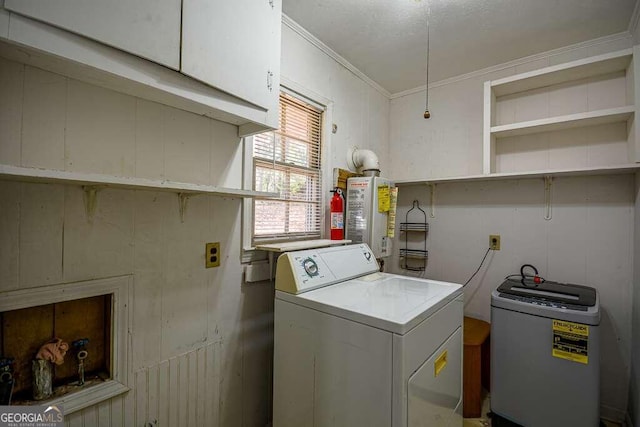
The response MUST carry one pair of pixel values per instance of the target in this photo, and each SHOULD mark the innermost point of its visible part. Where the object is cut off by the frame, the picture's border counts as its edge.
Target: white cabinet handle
(269, 80)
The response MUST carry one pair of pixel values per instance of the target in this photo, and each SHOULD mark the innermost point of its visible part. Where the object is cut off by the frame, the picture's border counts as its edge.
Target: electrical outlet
(212, 255)
(494, 242)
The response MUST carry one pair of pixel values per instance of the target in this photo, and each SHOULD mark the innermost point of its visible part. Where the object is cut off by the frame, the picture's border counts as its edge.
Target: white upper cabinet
(217, 58)
(234, 46)
(147, 28)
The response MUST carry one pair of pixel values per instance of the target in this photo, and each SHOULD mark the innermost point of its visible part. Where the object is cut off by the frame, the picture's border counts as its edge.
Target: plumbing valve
(81, 353)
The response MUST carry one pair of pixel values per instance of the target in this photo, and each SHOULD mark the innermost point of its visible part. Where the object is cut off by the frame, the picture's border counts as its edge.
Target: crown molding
(332, 54)
(633, 22)
(517, 62)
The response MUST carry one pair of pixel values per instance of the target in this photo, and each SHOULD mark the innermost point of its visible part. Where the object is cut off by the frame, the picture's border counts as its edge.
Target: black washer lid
(550, 291)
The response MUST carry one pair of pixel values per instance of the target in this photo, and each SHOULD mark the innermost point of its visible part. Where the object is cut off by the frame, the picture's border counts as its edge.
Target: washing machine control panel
(302, 271)
(310, 269)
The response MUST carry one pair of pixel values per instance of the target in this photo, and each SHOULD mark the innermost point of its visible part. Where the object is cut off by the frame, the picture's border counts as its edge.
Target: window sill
(90, 396)
(259, 252)
(300, 245)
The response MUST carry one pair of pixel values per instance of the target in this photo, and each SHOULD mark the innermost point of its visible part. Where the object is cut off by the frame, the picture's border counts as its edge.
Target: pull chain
(427, 114)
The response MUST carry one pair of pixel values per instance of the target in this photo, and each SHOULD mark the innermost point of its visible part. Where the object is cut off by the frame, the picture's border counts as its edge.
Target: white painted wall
(181, 311)
(178, 306)
(360, 111)
(634, 384)
(588, 241)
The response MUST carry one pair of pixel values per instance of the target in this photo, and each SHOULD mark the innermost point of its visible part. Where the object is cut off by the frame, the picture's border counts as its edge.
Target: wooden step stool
(476, 365)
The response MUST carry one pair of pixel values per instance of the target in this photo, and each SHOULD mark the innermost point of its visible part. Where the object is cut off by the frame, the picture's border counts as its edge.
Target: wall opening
(97, 310)
(85, 322)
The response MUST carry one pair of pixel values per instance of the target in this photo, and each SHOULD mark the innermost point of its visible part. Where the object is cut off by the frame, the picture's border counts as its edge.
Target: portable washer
(545, 354)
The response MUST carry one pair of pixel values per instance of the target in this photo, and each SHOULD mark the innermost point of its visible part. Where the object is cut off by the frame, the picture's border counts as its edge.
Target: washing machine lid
(573, 303)
(570, 295)
(387, 301)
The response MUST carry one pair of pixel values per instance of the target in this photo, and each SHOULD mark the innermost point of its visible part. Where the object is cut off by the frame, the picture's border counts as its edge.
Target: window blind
(287, 162)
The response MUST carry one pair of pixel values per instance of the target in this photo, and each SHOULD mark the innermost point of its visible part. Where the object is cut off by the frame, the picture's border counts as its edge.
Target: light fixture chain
(427, 114)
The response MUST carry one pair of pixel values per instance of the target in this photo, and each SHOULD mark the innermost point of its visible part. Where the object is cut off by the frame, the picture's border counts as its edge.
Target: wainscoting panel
(181, 391)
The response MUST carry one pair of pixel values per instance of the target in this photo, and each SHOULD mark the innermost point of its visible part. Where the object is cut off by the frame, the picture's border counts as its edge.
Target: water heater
(367, 214)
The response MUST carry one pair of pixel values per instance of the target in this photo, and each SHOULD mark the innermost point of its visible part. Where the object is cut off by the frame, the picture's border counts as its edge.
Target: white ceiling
(386, 39)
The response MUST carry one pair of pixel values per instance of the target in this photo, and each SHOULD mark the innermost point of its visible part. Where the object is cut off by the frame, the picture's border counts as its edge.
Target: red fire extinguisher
(337, 216)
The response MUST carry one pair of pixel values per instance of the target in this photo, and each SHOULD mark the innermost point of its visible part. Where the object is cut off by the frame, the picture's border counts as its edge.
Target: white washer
(355, 347)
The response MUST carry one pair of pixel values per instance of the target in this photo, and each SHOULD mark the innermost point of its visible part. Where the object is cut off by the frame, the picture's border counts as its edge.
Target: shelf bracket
(548, 182)
(432, 200)
(90, 201)
(183, 198)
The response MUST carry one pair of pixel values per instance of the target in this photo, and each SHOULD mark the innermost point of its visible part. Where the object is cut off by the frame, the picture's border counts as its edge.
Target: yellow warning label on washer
(571, 341)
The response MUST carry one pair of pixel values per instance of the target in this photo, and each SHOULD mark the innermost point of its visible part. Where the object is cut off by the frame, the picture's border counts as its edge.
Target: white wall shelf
(558, 74)
(17, 173)
(597, 91)
(590, 118)
(556, 173)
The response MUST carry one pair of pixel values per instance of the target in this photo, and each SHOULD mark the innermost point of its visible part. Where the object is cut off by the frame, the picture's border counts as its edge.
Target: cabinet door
(147, 28)
(234, 46)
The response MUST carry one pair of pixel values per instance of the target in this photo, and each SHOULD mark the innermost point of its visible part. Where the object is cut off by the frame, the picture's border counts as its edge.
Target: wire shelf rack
(414, 253)
(412, 258)
(414, 226)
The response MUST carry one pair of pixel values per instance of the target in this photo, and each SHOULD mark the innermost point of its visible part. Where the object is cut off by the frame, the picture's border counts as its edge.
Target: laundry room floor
(485, 421)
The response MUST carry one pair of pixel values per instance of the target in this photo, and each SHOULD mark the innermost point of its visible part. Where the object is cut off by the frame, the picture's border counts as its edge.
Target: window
(287, 162)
